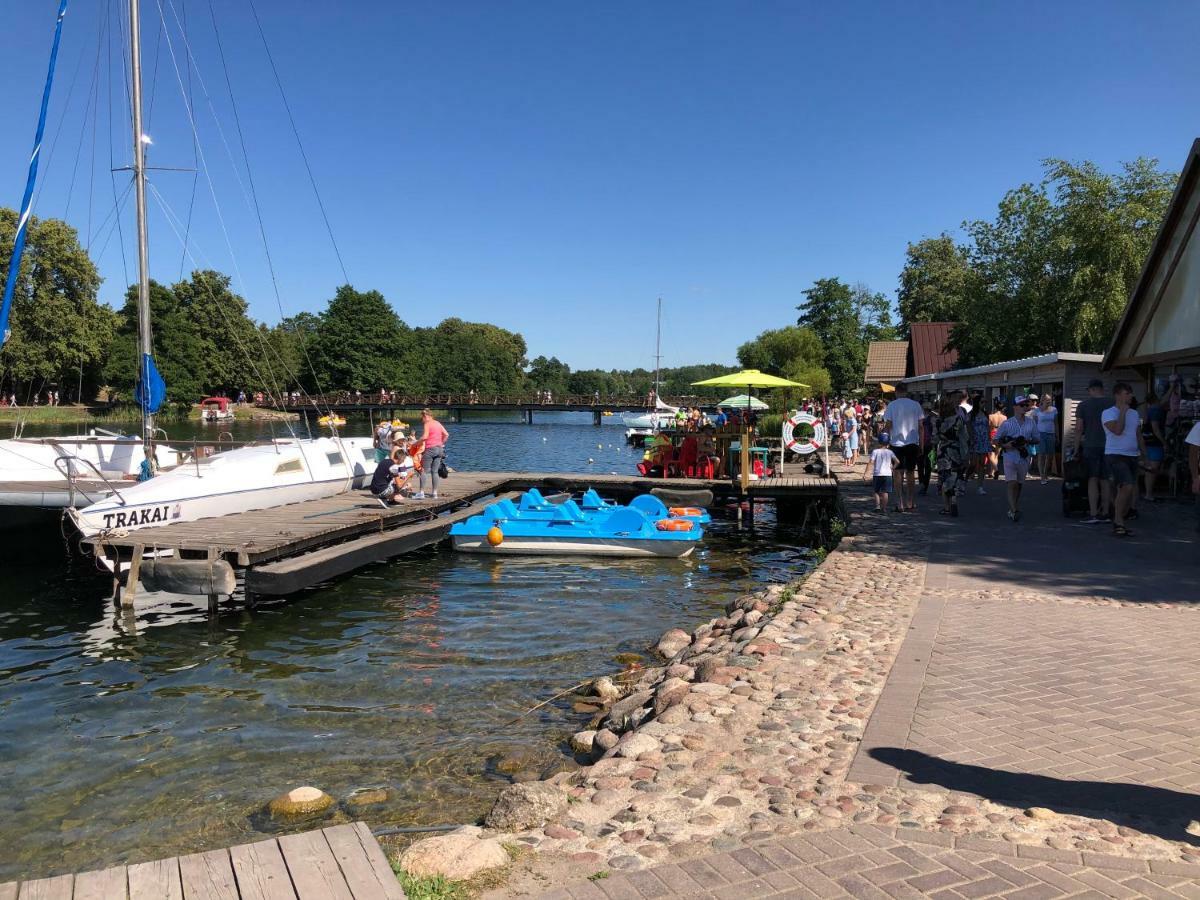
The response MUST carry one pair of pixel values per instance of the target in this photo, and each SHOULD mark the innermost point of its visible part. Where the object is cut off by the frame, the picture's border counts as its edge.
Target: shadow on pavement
(1162, 812)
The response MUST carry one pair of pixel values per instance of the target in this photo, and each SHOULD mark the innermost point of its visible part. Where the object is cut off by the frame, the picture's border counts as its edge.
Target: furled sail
(14, 264)
(151, 390)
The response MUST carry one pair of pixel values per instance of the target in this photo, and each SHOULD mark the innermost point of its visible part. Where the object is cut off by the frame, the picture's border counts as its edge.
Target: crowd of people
(1117, 448)
(407, 466)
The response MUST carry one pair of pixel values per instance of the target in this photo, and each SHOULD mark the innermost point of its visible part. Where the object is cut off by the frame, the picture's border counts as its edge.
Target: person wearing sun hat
(1014, 436)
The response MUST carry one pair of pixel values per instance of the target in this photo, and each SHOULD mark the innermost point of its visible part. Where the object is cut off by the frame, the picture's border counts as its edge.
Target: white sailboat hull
(258, 477)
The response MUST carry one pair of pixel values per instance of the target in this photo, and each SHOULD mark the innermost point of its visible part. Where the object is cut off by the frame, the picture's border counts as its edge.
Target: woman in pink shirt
(434, 438)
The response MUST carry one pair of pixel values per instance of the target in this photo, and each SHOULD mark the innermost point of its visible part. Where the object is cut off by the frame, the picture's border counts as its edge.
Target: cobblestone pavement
(1034, 737)
(868, 862)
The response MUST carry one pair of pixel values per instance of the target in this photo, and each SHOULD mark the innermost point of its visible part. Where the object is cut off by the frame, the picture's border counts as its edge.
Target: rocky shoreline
(746, 732)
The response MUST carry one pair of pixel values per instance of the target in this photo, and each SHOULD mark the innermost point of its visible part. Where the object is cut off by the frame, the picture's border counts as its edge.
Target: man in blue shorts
(1089, 432)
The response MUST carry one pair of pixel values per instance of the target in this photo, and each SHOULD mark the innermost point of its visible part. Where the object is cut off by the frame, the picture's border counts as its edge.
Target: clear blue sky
(553, 167)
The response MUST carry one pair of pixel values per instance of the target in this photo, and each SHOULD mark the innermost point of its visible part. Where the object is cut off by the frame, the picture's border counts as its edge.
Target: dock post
(529, 416)
(596, 418)
(131, 583)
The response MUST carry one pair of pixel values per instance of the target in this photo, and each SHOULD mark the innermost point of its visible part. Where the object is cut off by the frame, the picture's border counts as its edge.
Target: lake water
(129, 737)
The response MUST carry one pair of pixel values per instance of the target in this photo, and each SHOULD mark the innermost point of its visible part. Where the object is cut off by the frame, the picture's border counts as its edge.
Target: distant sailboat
(662, 416)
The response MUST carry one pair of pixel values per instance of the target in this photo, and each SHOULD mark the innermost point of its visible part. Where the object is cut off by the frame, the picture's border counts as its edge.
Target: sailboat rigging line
(62, 118)
(196, 175)
(200, 153)
(154, 77)
(14, 266)
(96, 122)
(88, 108)
(115, 211)
(295, 131)
(193, 66)
(271, 382)
(112, 166)
(262, 228)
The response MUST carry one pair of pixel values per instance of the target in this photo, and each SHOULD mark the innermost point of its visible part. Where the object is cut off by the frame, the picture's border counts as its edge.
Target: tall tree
(874, 313)
(549, 375)
(829, 310)
(178, 348)
(1054, 270)
(234, 358)
(359, 342)
(933, 282)
(790, 352)
(59, 329)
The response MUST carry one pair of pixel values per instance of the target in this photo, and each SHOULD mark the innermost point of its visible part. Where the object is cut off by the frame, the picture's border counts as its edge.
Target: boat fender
(701, 497)
(188, 576)
(495, 536)
(684, 511)
(674, 524)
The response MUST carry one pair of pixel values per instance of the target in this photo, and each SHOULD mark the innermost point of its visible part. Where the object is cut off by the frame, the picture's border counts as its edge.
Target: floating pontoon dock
(288, 548)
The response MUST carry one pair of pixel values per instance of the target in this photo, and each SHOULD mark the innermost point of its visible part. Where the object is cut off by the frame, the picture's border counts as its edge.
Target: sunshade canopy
(748, 378)
(741, 401)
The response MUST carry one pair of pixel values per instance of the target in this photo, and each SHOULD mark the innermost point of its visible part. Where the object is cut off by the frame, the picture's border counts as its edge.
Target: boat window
(369, 454)
(335, 459)
(291, 465)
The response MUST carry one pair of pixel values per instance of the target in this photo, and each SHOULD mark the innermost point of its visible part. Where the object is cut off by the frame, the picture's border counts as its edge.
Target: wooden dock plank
(102, 884)
(208, 876)
(367, 874)
(261, 872)
(157, 880)
(9, 890)
(314, 870)
(57, 888)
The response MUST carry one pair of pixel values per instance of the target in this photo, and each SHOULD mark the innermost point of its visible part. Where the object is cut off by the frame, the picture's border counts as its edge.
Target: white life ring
(802, 446)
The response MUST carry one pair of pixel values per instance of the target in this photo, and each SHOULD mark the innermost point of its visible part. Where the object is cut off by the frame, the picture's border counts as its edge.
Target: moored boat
(537, 526)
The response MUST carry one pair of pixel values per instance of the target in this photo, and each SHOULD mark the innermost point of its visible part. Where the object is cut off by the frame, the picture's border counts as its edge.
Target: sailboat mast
(145, 343)
(658, 354)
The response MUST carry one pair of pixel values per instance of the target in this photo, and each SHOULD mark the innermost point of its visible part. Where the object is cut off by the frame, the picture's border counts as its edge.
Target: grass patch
(598, 876)
(436, 887)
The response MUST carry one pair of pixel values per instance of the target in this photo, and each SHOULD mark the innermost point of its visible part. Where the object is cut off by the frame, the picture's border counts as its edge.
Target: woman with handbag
(434, 438)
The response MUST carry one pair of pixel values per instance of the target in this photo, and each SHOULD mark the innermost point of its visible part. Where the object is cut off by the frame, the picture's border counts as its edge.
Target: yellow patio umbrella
(749, 379)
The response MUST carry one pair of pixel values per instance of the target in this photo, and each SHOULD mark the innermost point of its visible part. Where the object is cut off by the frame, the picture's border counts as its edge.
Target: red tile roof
(927, 345)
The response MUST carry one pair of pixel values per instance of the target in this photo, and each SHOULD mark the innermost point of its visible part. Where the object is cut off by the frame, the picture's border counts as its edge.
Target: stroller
(1074, 488)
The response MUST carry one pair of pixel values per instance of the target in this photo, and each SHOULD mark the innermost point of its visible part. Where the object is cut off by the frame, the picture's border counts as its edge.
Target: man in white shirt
(1122, 447)
(1015, 436)
(1193, 442)
(902, 421)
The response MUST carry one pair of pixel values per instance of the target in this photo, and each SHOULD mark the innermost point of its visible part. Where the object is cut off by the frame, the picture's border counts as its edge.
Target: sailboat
(643, 425)
(254, 477)
(43, 473)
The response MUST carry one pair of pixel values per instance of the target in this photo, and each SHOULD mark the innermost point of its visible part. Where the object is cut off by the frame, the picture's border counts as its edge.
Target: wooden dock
(287, 548)
(343, 862)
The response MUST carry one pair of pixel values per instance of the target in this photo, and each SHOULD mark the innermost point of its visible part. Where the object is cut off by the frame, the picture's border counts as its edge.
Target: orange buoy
(686, 511)
(674, 524)
(495, 536)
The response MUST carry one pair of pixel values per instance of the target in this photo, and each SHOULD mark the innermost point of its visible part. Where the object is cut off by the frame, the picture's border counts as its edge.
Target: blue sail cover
(14, 264)
(151, 390)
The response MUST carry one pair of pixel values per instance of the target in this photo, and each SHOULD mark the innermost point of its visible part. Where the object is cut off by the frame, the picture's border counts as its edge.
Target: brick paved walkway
(868, 862)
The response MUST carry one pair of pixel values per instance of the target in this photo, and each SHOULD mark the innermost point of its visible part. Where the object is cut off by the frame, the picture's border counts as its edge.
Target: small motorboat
(538, 526)
(215, 409)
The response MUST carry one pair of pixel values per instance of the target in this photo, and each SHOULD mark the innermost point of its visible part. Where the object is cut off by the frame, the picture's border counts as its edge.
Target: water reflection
(134, 736)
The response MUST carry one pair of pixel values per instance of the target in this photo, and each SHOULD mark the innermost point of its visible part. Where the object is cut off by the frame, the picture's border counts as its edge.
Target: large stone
(634, 745)
(583, 741)
(672, 641)
(624, 713)
(299, 803)
(605, 739)
(456, 856)
(522, 806)
(709, 667)
(670, 692)
(606, 689)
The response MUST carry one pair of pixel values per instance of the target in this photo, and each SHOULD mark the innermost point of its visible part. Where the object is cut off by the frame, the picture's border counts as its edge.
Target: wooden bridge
(391, 406)
(287, 548)
(344, 862)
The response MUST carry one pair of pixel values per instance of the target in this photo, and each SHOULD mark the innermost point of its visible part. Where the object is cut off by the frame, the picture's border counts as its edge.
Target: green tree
(1054, 270)
(178, 348)
(359, 342)
(549, 375)
(234, 358)
(830, 311)
(933, 282)
(874, 312)
(58, 327)
(790, 352)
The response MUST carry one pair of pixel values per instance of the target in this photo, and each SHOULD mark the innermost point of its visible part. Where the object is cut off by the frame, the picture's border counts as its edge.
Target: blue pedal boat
(537, 527)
